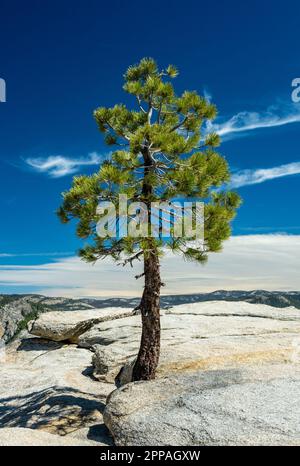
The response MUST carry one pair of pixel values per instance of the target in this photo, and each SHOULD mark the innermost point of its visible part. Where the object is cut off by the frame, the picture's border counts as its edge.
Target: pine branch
(140, 104)
(130, 260)
(180, 124)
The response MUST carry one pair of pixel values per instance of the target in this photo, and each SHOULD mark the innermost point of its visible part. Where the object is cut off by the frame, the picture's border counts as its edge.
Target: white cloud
(57, 166)
(247, 262)
(244, 122)
(249, 177)
(34, 254)
(273, 229)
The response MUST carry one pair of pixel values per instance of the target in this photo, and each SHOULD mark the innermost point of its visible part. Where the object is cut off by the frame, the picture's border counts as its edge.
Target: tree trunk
(148, 357)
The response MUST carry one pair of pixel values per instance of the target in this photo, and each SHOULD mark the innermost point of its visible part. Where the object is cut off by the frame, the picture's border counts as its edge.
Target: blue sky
(62, 59)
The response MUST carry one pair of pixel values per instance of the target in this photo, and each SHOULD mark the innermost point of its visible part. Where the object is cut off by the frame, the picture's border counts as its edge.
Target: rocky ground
(229, 374)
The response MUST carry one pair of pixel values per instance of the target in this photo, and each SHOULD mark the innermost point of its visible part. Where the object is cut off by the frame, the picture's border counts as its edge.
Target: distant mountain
(270, 298)
(17, 310)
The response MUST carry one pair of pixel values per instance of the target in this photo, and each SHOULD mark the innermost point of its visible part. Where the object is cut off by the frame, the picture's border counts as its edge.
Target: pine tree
(162, 151)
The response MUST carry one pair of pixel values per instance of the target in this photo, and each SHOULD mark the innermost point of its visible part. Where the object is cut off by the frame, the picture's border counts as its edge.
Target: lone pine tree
(162, 151)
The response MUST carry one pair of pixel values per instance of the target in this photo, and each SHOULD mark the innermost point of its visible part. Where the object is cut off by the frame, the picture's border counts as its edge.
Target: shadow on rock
(56, 410)
(98, 432)
(38, 344)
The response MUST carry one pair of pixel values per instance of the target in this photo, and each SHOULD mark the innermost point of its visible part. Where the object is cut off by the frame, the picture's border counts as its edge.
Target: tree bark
(148, 357)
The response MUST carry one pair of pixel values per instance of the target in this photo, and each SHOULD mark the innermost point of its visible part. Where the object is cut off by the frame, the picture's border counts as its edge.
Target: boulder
(107, 362)
(69, 325)
(257, 405)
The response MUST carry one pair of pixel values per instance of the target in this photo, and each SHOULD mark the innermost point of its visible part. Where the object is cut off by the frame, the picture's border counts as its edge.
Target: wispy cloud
(57, 166)
(256, 176)
(268, 229)
(35, 254)
(243, 122)
(247, 262)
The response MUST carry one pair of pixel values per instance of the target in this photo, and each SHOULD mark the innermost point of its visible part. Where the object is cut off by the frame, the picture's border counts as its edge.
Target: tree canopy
(161, 150)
